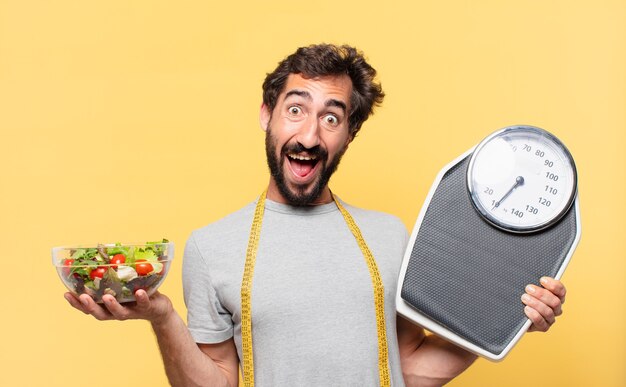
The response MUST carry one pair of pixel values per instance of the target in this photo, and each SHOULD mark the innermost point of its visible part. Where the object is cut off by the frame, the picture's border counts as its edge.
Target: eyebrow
(337, 103)
(306, 95)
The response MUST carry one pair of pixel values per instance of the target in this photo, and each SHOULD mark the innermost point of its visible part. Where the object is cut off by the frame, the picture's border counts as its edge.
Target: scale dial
(522, 179)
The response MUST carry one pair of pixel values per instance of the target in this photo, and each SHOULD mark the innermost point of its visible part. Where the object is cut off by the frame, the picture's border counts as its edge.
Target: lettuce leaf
(142, 282)
(109, 284)
(119, 249)
(158, 247)
(84, 254)
(148, 254)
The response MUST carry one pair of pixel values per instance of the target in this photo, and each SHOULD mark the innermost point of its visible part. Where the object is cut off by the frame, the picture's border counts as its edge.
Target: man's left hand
(544, 303)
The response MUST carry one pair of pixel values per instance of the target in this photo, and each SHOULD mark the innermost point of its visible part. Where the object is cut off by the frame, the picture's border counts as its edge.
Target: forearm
(428, 360)
(435, 362)
(185, 364)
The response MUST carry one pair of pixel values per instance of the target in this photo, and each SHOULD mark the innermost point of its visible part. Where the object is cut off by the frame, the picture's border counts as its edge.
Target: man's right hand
(154, 309)
(185, 362)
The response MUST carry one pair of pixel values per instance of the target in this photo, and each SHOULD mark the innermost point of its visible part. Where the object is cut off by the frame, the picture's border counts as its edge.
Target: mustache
(317, 150)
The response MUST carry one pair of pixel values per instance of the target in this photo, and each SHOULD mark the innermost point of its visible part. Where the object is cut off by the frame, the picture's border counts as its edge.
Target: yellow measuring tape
(246, 290)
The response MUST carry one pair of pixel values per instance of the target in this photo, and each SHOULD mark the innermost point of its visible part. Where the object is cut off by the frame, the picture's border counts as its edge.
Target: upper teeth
(301, 157)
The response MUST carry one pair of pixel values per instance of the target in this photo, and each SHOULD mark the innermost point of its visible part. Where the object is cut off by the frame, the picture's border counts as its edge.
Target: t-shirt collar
(300, 210)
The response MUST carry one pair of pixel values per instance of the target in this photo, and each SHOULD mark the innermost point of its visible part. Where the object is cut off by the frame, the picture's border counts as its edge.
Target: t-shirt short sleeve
(208, 321)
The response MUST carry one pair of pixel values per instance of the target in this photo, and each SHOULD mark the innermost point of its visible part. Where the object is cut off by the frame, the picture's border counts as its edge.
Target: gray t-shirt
(313, 318)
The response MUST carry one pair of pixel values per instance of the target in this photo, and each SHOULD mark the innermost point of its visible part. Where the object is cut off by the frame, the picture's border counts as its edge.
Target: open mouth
(302, 165)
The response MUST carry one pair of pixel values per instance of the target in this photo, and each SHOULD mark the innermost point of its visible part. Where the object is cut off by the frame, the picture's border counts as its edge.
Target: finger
(143, 301)
(546, 297)
(538, 322)
(131, 310)
(116, 309)
(89, 306)
(75, 302)
(544, 310)
(555, 286)
(155, 307)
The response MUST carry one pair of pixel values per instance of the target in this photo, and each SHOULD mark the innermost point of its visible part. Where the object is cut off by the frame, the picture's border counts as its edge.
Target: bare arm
(428, 360)
(190, 364)
(186, 363)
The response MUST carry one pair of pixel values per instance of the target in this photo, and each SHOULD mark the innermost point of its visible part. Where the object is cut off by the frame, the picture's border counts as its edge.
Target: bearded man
(298, 287)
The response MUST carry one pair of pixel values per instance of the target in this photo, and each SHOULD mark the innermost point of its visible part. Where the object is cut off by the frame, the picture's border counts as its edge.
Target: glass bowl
(116, 269)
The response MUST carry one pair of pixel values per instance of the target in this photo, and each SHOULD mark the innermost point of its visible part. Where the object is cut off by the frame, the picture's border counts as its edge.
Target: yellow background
(135, 120)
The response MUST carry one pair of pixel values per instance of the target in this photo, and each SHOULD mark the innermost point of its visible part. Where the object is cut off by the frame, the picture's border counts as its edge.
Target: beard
(304, 194)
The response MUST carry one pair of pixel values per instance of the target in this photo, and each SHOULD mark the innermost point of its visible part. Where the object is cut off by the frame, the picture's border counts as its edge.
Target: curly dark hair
(328, 59)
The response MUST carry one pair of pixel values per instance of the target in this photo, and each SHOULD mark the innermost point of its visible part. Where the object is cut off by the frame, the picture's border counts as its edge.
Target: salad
(118, 270)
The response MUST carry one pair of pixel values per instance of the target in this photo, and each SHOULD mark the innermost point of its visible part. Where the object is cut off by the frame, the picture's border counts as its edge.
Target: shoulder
(375, 218)
(386, 236)
(226, 230)
(379, 223)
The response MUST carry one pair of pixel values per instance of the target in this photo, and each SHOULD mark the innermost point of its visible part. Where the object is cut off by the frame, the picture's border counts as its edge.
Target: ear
(264, 117)
(349, 140)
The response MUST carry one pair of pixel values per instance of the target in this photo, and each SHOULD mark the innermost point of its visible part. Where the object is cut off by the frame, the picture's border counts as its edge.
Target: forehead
(338, 87)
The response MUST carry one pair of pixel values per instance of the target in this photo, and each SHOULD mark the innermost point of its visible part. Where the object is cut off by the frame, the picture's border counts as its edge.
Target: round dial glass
(522, 179)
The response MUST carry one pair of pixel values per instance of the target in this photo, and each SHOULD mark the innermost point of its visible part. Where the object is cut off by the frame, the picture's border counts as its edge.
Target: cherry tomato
(98, 272)
(117, 259)
(67, 269)
(143, 267)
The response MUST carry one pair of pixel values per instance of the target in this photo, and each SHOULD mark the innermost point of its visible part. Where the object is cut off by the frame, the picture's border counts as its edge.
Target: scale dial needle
(518, 181)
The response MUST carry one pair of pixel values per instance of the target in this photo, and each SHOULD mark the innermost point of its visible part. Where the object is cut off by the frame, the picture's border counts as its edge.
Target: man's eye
(330, 119)
(295, 110)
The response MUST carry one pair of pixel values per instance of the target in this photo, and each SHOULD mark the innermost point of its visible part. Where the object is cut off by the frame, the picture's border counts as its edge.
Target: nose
(309, 133)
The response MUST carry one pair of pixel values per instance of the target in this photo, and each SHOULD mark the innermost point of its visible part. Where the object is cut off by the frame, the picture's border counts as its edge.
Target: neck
(273, 193)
